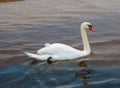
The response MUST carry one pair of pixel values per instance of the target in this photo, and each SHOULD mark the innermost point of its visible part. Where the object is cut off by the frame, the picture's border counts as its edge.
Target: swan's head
(87, 25)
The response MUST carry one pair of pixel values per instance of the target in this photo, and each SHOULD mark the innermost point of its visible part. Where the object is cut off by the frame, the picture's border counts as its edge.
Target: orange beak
(91, 28)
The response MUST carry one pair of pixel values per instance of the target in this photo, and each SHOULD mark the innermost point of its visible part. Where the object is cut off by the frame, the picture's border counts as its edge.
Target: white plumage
(58, 51)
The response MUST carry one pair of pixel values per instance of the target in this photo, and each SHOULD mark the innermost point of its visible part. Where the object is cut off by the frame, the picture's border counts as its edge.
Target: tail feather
(36, 56)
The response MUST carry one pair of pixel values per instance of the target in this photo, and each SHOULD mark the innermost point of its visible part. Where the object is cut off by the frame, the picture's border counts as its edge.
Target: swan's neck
(85, 41)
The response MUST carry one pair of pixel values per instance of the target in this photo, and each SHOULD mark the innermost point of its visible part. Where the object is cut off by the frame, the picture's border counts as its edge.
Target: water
(27, 25)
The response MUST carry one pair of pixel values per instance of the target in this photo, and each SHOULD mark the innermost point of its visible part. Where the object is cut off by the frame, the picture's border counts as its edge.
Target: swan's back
(56, 48)
(60, 50)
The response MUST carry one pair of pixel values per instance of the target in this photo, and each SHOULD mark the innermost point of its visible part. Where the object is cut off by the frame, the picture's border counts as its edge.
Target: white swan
(58, 51)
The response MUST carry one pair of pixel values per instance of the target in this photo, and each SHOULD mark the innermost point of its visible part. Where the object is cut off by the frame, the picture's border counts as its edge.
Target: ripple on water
(50, 75)
(27, 25)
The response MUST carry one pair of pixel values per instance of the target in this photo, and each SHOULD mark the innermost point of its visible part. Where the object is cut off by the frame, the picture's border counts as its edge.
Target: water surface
(27, 25)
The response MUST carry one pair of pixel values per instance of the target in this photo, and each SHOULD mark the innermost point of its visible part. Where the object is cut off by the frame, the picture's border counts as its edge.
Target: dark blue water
(67, 75)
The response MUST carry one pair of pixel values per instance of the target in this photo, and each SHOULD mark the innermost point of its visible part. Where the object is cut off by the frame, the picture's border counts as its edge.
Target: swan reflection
(85, 73)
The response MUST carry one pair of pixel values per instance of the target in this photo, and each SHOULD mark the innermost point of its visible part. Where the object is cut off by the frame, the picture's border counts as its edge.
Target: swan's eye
(91, 28)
